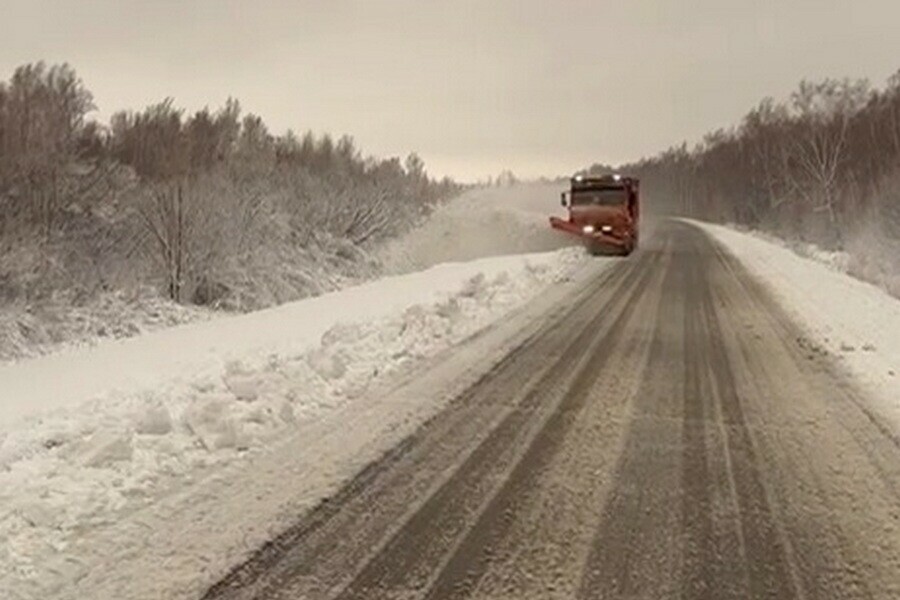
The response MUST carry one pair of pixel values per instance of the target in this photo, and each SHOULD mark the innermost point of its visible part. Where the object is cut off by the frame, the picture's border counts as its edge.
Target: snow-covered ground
(833, 259)
(112, 456)
(54, 324)
(855, 321)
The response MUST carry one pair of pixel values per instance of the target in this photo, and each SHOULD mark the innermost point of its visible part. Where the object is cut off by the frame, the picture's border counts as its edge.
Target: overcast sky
(537, 86)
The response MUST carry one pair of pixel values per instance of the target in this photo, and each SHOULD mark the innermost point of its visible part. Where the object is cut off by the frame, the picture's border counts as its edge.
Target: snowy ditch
(89, 436)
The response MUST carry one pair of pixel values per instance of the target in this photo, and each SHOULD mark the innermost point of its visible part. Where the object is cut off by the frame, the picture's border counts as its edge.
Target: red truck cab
(603, 212)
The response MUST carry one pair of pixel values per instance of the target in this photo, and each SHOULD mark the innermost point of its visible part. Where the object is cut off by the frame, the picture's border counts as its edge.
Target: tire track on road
(407, 562)
(633, 554)
(708, 532)
(696, 507)
(472, 558)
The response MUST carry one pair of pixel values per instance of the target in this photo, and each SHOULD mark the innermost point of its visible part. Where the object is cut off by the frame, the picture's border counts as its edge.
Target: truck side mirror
(562, 199)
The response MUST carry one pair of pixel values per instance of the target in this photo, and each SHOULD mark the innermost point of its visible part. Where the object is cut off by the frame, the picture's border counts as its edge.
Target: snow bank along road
(145, 468)
(664, 433)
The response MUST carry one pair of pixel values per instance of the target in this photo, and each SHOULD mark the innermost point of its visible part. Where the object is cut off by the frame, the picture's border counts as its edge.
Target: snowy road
(669, 431)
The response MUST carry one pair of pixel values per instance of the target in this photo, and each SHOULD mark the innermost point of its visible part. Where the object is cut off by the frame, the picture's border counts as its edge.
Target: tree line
(816, 167)
(200, 204)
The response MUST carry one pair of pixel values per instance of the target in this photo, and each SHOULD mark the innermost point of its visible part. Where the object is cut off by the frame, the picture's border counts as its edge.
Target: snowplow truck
(603, 213)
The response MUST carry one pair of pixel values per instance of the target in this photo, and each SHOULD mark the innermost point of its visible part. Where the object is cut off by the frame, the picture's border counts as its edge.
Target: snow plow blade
(596, 236)
(595, 241)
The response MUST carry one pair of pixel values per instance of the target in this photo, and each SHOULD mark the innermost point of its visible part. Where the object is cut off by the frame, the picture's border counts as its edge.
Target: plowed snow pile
(92, 437)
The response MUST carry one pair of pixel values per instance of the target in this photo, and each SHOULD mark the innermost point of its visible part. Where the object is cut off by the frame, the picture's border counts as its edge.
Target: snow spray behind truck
(603, 212)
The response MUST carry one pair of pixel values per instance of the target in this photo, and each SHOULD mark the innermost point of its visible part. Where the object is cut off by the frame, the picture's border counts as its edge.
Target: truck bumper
(593, 239)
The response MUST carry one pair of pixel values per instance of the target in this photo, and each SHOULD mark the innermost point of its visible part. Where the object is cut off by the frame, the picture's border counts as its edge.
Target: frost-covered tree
(46, 144)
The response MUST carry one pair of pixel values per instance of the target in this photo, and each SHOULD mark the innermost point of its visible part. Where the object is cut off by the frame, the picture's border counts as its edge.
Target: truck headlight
(606, 229)
(588, 229)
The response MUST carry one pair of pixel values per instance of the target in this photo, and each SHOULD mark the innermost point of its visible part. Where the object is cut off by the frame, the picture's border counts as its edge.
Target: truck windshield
(601, 197)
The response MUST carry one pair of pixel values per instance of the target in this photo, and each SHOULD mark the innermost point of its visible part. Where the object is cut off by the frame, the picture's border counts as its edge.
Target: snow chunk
(106, 447)
(155, 420)
(211, 422)
(327, 364)
(286, 413)
(244, 387)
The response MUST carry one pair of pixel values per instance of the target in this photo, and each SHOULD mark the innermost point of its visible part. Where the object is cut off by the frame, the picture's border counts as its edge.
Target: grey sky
(540, 87)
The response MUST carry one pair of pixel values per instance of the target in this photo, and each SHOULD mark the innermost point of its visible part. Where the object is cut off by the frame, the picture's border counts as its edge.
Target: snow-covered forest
(110, 228)
(821, 167)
